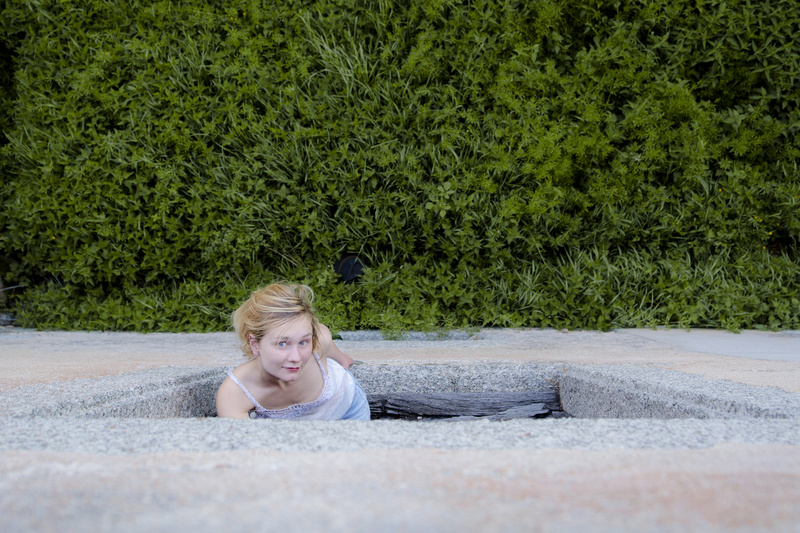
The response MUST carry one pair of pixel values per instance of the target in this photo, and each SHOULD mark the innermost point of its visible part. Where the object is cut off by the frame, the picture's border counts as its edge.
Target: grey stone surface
(134, 448)
(154, 393)
(190, 391)
(628, 391)
(148, 436)
(374, 335)
(456, 377)
(616, 391)
(767, 345)
(732, 488)
(147, 412)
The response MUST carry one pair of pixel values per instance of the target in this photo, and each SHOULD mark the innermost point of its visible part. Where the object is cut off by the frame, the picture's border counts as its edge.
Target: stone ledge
(628, 391)
(607, 391)
(151, 436)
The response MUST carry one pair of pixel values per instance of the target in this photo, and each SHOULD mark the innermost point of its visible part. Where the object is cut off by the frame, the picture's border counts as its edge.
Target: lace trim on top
(293, 410)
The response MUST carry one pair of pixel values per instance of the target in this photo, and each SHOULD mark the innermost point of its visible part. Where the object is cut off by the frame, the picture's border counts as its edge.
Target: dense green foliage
(568, 163)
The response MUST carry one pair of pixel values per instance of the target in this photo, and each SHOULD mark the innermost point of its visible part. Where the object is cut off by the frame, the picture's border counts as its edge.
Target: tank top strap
(319, 362)
(244, 389)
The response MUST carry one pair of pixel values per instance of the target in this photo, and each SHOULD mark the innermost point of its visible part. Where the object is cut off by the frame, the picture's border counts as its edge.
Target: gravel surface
(68, 463)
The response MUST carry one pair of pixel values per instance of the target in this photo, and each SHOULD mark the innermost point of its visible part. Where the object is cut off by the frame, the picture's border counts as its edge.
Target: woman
(295, 371)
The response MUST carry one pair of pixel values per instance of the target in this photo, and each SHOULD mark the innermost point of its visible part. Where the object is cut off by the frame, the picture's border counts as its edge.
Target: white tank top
(332, 403)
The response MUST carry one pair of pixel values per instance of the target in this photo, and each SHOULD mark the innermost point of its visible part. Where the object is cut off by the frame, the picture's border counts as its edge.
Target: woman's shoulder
(231, 400)
(324, 338)
(324, 331)
(243, 370)
(245, 375)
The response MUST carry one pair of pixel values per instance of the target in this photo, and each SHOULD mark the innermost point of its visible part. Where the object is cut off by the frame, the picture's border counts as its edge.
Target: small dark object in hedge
(349, 267)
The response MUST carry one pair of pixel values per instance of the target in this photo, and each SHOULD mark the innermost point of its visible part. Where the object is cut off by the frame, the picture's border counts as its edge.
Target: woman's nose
(294, 354)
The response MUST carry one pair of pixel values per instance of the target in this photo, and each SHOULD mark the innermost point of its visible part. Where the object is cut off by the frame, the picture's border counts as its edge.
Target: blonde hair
(273, 306)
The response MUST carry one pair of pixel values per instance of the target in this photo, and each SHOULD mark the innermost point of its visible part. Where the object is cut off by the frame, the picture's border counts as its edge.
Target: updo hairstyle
(272, 307)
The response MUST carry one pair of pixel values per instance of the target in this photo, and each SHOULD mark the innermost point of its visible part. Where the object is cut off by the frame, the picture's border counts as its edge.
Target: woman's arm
(231, 401)
(329, 348)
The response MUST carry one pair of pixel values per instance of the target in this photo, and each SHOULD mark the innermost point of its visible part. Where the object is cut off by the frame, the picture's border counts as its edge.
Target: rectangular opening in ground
(438, 391)
(422, 391)
(465, 405)
(397, 390)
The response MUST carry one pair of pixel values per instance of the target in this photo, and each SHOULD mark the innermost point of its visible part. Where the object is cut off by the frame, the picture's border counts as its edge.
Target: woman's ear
(253, 344)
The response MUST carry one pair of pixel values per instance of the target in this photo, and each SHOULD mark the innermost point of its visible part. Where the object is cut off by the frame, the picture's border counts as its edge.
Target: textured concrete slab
(150, 436)
(768, 345)
(29, 357)
(741, 488)
(69, 461)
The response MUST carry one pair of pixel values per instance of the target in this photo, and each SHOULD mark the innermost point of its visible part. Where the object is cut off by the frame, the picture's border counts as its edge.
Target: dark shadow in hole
(465, 405)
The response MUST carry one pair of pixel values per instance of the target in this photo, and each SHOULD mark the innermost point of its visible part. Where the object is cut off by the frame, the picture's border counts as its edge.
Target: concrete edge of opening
(154, 436)
(146, 412)
(170, 392)
(185, 392)
(628, 391)
(606, 391)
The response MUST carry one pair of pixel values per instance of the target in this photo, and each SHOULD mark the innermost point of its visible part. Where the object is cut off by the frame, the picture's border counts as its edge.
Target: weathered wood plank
(525, 411)
(413, 405)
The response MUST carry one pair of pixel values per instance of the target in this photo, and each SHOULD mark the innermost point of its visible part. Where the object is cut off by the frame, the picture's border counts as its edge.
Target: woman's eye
(303, 343)
(282, 344)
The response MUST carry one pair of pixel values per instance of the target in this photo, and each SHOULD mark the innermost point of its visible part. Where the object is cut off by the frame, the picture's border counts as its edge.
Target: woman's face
(284, 351)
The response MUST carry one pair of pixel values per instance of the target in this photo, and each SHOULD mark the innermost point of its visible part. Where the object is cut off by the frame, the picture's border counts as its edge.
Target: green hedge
(567, 163)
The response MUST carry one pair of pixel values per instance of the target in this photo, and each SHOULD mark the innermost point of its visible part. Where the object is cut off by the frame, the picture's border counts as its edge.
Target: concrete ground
(549, 475)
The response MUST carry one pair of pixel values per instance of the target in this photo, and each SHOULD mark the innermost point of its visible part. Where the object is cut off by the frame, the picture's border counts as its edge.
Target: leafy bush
(552, 163)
